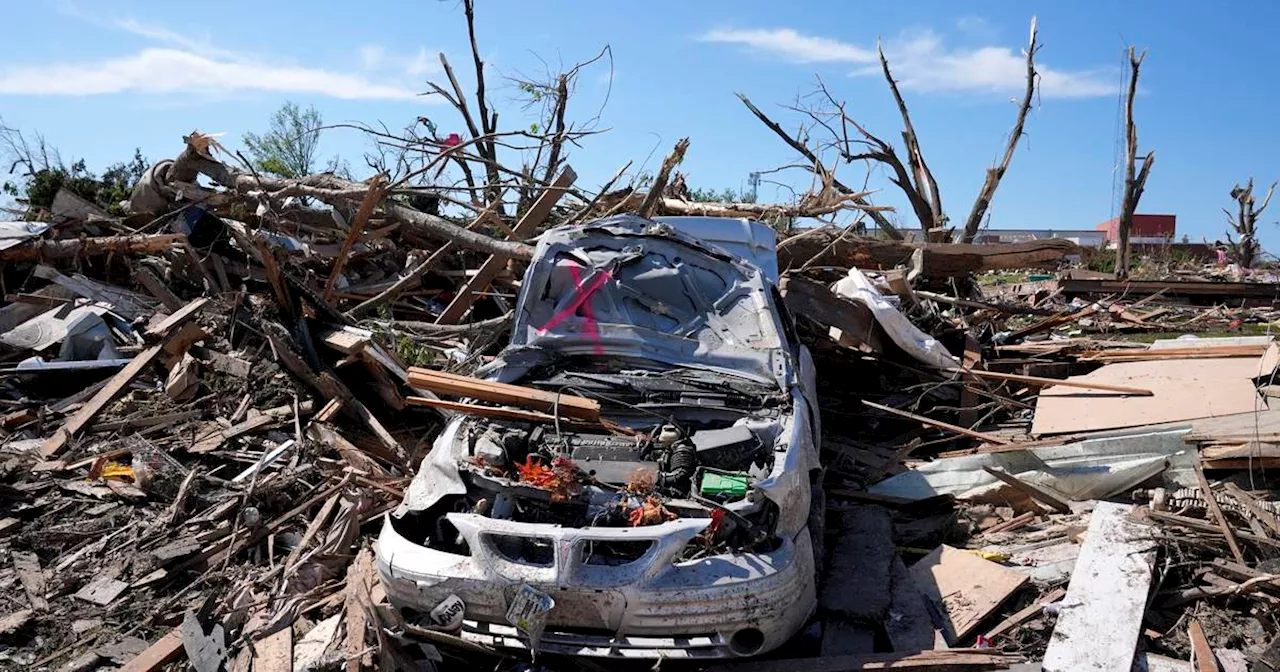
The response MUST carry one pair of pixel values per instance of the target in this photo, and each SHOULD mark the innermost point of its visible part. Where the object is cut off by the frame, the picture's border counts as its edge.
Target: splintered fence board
(964, 588)
(1101, 615)
(449, 384)
(1185, 389)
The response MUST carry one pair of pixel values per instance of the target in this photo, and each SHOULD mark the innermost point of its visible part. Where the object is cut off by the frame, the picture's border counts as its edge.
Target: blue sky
(100, 78)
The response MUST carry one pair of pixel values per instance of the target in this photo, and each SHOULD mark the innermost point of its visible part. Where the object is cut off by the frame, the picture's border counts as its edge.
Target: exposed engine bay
(685, 444)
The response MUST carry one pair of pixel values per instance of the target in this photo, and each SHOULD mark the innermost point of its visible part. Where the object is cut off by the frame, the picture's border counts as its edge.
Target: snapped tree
(850, 142)
(1244, 246)
(1134, 183)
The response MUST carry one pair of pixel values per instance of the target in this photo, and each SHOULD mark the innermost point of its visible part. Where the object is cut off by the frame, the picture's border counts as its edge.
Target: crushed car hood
(627, 286)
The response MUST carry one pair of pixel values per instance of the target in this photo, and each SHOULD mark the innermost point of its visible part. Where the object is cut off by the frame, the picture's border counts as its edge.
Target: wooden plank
(120, 381)
(1225, 290)
(27, 566)
(964, 588)
(989, 438)
(1211, 503)
(275, 652)
(525, 228)
(1101, 615)
(157, 288)
(1185, 389)
(1030, 490)
(489, 411)
(372, 197)
(1201, 652)
(568, 405)
(166, 650)
(1030, 610)
(1046, 382)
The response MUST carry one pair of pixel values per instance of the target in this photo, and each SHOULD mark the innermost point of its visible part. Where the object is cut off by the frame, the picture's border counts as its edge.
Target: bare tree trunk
(881, 221)
(1245, 250)
(994, 174)
(923, 193)
(1133, 184)
(664, 174)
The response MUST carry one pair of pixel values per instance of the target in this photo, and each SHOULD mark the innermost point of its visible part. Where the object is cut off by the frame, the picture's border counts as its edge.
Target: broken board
(1185, 389)
(1101, 615)
(964, 588)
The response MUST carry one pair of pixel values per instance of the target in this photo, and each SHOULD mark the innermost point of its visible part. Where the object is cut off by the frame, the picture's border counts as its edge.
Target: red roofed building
(1146, 228)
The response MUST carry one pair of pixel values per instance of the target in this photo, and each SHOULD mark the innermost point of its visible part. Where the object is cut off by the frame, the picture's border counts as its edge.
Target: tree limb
(994, 174)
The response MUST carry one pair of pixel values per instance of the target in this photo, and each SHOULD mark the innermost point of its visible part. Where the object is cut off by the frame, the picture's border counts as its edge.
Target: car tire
(818, 529)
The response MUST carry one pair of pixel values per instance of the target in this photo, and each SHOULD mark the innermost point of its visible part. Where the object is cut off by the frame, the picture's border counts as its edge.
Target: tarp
(922, 346)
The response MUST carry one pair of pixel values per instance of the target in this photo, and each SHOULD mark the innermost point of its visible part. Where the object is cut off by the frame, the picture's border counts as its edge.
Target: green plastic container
(733, 485)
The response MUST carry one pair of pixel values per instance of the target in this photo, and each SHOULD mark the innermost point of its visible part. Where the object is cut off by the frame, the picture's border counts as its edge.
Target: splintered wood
(567, 405)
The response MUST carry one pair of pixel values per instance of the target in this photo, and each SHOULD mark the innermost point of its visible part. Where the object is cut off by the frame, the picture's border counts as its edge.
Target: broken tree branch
(974, 221)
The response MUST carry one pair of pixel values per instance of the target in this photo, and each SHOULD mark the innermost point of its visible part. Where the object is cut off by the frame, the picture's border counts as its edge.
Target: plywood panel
(1185, 389)
(964, 587)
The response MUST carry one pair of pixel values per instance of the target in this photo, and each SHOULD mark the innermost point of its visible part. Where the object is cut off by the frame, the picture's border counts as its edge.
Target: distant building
(1147, 229)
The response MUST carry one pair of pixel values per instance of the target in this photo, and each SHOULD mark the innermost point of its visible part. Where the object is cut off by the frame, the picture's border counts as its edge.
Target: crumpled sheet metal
(1092, 469)
(858, 287)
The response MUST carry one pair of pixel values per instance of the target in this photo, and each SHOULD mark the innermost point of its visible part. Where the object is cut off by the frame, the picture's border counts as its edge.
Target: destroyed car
(685, 520)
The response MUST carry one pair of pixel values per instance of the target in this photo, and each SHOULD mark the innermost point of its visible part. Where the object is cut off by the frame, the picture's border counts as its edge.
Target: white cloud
(922, 62)
(375, 57)
(793, 46)
(176, 71)
(425, 63)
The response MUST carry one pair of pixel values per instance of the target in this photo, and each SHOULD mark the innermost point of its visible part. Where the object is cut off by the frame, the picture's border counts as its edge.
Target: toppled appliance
(679, 520)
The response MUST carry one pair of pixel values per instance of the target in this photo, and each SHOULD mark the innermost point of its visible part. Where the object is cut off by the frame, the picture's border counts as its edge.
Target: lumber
(1201, 652)
(165, 650)
(1211, 503)
(835, 248)
(525, 228)
(77, 422)
(1101, 614)
(1023, 614)
(1046, 382)
(1031, 490)
(989, 438)
(450, 384)
(372, 197)
(489, 411)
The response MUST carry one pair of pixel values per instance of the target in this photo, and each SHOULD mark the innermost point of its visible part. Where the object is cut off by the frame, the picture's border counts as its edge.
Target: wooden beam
(567, 405)
(491, 411)
(989, 438)
(1251, 503)
(1201, 652)
(525, 228)
(1216, 511)
(77, 422)
(165, 650)
(371, 199)
(1022, 615)
(1030, 490)
(1046, 382)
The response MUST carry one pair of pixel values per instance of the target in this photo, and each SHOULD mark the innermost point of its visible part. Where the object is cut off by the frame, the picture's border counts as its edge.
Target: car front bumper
(715, 607)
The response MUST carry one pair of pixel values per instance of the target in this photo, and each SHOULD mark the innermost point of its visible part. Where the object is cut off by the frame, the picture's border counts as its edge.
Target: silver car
(684, 523)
